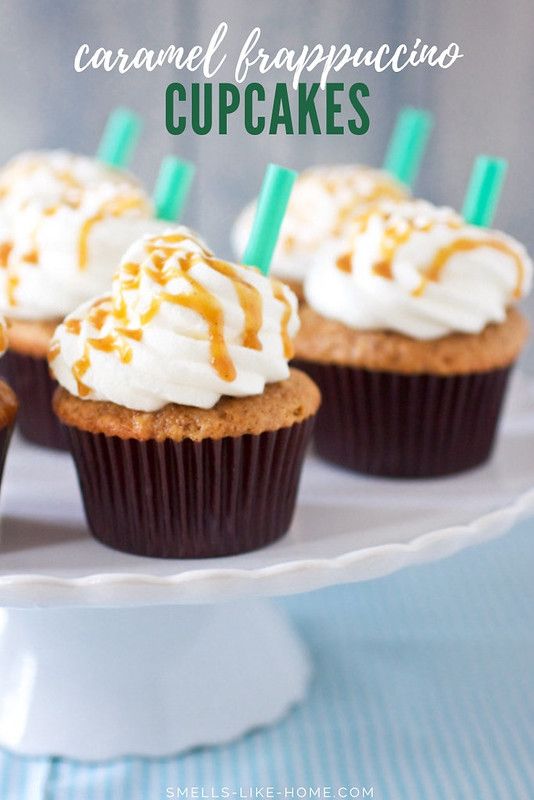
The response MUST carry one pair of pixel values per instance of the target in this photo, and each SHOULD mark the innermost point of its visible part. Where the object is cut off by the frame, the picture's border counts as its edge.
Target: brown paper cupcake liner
(31, 381)
(406, 426)
(190, 499)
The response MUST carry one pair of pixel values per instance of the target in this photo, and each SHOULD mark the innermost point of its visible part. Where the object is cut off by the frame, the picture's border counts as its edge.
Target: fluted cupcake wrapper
(31, 380)
(406, 426)
(190, 499)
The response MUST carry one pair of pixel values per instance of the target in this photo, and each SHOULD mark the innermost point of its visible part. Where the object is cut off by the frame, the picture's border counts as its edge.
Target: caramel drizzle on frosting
(112, 208)
(73, 326)
(166, 263)
(344, 262)
(5, 250)
(395, 237)
(381, 192)
(97, 316)
(74, 190)
(279, 294)
(249, 300)
(12, 283)
(31, 257)
(435, 269)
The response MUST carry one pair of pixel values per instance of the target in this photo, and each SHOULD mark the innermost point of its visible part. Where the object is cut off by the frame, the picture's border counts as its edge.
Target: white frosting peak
(180, 326)
(65, 220)
(323, 202)
(418, 270)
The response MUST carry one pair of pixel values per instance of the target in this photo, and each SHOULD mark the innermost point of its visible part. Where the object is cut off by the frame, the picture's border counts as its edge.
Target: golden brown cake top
(328, 341)
(281, 405)
(30, 337)
(418, 270)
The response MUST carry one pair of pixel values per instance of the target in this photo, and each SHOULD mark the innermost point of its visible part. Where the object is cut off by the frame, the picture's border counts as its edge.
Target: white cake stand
(104, 654)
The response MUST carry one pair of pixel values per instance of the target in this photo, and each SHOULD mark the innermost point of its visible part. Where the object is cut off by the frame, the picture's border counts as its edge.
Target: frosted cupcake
(187, 426)
(65, 220)
(411, 332)
(322, 206)
(8, 405)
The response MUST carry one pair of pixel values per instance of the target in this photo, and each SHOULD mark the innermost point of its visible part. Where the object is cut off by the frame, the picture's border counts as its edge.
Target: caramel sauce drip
(136, 333)
(113, 208)
(435, 269)
(3, 339)
(344, 262)
(66, 177)
(201, 301)
(11, 287)
(79, 368)
(278, 291)
(208, 307)
(151, 312)
(32, 257)
(112, 343)
(120, 309)
(249, 300)
(73, 326)
(5, 251)
(134, 271)
(289, 244)
(381, 192)
(392, 240)
(384, 269)
(98, 315)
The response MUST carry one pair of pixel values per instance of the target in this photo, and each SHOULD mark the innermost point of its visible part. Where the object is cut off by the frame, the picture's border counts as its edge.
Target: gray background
(482, 104)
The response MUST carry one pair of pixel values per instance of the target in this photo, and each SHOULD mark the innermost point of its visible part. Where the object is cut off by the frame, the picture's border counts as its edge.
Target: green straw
(407, 144)
(119, 137)
(483, 190)
(270, 210)
(172, 187)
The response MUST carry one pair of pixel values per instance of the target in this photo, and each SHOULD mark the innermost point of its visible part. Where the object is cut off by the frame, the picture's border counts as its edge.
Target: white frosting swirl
(65, 221)
(420, 271)
(323, 202)
(179, 327)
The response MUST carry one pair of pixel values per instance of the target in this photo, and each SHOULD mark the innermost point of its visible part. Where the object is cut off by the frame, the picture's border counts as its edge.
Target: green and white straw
(483, 190)
(270, 211)
(172, 187)
(119, 138)
(407, 144)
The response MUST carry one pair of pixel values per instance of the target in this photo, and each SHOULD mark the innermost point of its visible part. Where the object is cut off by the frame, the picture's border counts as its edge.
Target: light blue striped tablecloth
(424, 690)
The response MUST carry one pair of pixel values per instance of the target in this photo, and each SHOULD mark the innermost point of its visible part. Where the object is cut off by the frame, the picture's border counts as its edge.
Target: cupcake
(323, 203)
(8, 405)
(64, 222)
(411, 332)
(186, 424)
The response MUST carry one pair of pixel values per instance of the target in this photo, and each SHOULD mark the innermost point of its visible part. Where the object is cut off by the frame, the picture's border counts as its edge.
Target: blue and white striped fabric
(423, 691)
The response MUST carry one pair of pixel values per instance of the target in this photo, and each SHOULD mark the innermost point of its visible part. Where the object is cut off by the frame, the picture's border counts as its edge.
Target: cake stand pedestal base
(102, 683)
